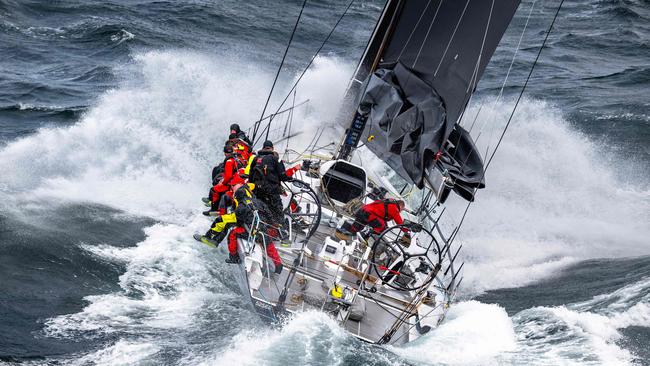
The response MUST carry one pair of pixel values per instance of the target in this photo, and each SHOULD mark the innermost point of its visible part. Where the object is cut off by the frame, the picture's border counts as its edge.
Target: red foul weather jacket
(377, 210)
(231, 174)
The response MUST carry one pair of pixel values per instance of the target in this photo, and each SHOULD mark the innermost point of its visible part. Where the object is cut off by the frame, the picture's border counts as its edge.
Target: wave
(473, 333)
(146, 148)
(43, 108)
(552, 199)
(629, 76)
(585, 333)
(589, 331)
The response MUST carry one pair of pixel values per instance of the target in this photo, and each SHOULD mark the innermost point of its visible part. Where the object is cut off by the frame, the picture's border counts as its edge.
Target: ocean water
(113, 112)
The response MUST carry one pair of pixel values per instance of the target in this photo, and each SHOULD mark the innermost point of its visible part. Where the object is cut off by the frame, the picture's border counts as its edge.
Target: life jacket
(217, 171)
(388, 201)
(247, 169)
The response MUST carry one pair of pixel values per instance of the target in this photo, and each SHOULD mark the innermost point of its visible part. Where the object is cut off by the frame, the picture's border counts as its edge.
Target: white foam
(620, 299)
(122, 36)
(600, 332)
(307, 338)
(324, 86)
(120, 353)
(147, 147)
(552, 198)
(583, 333)
(473, 333)
(168, 278)
(559, 335)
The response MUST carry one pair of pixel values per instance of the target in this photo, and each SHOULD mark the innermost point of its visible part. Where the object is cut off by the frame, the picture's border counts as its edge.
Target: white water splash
(551, 199)
(474, 333)
(147, 147)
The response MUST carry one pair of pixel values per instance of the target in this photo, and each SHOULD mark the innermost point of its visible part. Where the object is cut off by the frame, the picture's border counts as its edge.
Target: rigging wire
(317, 140)
(277, 74)
(530, 73)
(471, 87)
(416, 26)
(514, 109)
(475, 77)
(505, 80)
(450, 39)
(503, 85)
(295, 84)
(499, 96)
(282, 111)
(287, 128)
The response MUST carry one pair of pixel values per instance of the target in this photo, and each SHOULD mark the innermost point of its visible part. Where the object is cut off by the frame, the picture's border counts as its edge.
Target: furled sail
(429, 63)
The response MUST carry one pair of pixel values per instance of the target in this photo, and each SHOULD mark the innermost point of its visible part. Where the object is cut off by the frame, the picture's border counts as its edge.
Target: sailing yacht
(404, 103)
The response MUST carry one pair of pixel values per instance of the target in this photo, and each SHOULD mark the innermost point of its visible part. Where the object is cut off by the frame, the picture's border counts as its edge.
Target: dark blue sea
(112, 114)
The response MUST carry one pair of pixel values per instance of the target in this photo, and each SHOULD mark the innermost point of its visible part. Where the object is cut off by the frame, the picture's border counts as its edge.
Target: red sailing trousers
(270, 247)
(217, 191)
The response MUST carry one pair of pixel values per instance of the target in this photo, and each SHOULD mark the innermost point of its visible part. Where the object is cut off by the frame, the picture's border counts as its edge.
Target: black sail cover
(427, 71)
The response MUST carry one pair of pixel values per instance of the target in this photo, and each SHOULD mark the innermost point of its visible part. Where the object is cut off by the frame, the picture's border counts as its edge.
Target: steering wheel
(397, 263)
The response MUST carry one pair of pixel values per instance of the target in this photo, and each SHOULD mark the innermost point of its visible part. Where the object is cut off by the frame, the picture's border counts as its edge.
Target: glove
(415, 227)
(405, 240)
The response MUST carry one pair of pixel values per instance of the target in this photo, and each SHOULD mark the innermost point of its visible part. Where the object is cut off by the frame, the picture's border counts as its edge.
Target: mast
(367, 64)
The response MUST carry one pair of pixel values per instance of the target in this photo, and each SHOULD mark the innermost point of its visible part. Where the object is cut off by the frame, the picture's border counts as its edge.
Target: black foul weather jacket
(267, 171)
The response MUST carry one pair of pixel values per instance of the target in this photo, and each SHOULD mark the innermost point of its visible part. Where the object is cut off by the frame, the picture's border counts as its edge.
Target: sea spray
(143, 149)
(550, 200)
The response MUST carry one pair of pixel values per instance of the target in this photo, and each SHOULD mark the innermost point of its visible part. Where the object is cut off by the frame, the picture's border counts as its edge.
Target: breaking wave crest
(553, 198)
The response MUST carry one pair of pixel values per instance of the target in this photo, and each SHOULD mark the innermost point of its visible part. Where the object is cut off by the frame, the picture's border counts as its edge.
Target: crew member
(267, 172)
(234, 129)
(376, 214)
(241, 148)
(229, 178)
(245, 205)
